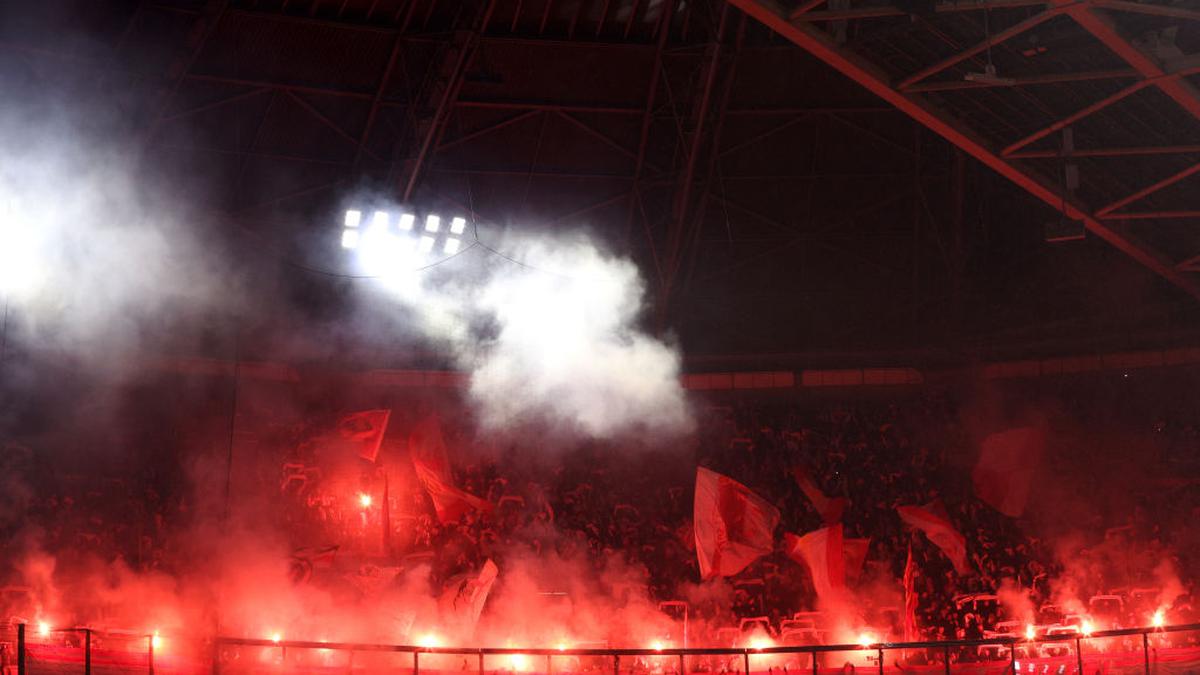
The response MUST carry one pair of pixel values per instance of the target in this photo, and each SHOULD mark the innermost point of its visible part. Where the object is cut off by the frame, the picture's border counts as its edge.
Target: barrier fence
(1168, 650)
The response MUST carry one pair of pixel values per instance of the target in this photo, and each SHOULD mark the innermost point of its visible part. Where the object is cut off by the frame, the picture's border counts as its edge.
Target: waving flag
(910, 597)
(733, 526)
(364, 431)
(931, 519)
(854, 551)
(427, 448)
(830, 508)
(463, 596)
(822, 551)
(1004, 474)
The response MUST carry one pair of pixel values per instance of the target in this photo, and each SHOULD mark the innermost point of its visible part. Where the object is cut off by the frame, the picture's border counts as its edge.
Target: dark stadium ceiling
(780, 170)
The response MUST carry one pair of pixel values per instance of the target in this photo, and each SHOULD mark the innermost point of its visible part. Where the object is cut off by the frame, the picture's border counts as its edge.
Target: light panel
(350, 239)
(406, 221)
(451, 246)
(458, 225)
(426, 244)
(353, 218)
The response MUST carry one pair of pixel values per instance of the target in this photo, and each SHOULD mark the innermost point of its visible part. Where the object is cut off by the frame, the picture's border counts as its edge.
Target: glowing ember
(43, 628)
(1086, 627)
(156, 641)
(866, 639)
(276, 637)
(364, 500)
(1030, 633)
(761, 642)
(429, 640)
(1159, 619)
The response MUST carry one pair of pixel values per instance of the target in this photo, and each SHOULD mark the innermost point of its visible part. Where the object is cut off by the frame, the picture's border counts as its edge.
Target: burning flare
(43, 628)
(760, 642)
(866, 639)
(156, 641)
(1030, 632)
(276, 637)
(1159, 619)
(364, 500)
(1087, 628)
(429, 641)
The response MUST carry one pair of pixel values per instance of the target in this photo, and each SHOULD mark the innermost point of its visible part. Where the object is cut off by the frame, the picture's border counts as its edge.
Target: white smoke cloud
(548, 330)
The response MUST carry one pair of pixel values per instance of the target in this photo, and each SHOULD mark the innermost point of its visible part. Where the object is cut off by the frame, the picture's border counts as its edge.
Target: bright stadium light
(389, 245)
(20, 267)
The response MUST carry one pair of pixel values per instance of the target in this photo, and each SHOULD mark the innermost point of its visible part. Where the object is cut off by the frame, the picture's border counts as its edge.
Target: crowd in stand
(600, 501)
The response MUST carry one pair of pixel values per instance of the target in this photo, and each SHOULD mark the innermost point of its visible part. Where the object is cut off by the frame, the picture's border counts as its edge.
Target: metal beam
(1152, 215)
(376, 103)
(1141, 151)
(1150, 189)
(209, 26)
(806, 6)
(1067, 121)
(1181, 91)
(639, 164)
(882, 11)
(1149, 8)
(819, 44)
(989, 42)
(1007, 82)
(677, 226)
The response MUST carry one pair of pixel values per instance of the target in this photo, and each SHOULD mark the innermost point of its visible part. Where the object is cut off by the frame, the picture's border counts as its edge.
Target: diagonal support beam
(1149, 190)
(819, 44)
(993, 40)
(1104, 30)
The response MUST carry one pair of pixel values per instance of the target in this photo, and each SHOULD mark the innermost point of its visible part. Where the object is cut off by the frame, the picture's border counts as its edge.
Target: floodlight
(451, 246)
(458, 225)
(406, 221)
(432, 223)
(426, 244)
(353, 218)
(380, 219)
(350, 239)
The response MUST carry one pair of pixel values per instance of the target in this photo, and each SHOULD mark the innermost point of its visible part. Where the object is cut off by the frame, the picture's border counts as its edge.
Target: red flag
(830, 508)
(822, 551)
(910, 597)
(931, 520)
(855, 553)
(733, 526)
(364, 430)
(427, 448)
(1003, 476)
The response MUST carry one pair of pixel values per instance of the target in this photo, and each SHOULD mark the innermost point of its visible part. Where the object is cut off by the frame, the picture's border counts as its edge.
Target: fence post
(416, 663)
(1146, 650)
(682, 664)
(746, 660)
(548, 664)
(1012, 656)
(616, 664)
(480, 662)
(814, 659)
(1079, 654)
(946, 653)
(881, 661)
(150, 652)
(87, 651)
(216, 656)
(21, 649)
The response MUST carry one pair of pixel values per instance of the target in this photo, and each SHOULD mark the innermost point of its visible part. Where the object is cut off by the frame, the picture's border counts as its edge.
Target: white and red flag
(364, 431)
(1007, 463)
(823, 552)
(733, 526)
(932, 520)
(427, 448)
(464, 596)
(830, 508)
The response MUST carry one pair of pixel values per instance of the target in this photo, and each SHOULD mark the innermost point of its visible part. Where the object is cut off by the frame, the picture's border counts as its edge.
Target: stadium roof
(807, 178)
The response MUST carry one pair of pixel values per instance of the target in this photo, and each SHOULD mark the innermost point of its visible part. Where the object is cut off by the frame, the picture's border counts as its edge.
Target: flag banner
(823, 553)
(854, 551)
(910, 597)
(1007, 463)
(364, 431)
(427, 448)
(464, 596)
(733, 526)
(830, 508)
(931, 519)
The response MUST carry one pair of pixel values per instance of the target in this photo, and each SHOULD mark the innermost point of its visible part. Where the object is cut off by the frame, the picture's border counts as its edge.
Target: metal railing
(26, 648)
(947, 648)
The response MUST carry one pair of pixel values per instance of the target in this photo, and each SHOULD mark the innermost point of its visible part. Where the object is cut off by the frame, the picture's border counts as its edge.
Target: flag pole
(387, 517)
